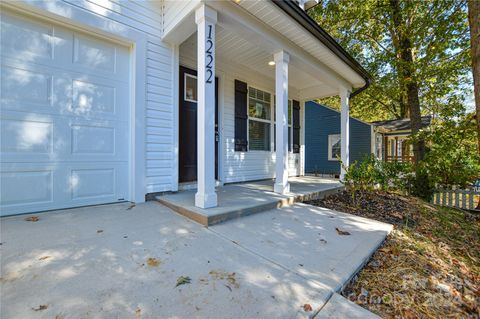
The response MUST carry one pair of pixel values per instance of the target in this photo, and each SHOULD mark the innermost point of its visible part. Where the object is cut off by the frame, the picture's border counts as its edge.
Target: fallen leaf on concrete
(131, 206)
(342, 232)
(307, 307)
(43, 257)
(153, 262)
(99, 231)
(230, 277)
(41, 307)
(32, 219)
(182, 280)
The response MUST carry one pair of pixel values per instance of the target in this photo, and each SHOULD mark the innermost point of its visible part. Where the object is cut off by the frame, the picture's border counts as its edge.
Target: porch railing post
(206, 18)
(281, 111)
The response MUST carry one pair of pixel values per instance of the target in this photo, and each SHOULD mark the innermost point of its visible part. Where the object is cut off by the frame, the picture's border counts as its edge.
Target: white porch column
(281, 112)
(206, 196)
(344, 129)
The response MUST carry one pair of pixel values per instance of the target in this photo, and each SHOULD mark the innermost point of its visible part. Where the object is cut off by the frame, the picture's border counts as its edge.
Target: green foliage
(452, 158)
(421, 185)
(371, 173)
(439, 34)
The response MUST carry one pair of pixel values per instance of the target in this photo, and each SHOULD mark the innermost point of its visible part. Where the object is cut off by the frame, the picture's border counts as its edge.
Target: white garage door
(64, 117)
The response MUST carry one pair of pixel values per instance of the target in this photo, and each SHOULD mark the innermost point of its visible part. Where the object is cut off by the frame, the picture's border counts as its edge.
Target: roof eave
(299, 15)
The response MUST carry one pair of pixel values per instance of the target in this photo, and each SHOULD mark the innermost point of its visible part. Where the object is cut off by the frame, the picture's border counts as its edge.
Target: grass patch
(429, 266)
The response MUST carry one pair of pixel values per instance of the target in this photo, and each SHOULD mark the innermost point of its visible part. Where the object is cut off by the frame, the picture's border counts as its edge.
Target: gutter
(291, 8)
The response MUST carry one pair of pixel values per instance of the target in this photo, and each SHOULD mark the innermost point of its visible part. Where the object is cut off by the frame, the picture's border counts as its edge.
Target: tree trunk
(474, 21)
(407, 72)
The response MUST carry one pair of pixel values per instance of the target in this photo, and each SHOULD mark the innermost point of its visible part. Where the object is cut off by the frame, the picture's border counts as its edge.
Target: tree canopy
(371, 31)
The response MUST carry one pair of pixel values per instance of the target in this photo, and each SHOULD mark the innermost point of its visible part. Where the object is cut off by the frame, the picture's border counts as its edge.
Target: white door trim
(176, 124)
(88, 22)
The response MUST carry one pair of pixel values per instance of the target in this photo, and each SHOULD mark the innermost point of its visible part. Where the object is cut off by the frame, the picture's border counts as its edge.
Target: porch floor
(237, 200)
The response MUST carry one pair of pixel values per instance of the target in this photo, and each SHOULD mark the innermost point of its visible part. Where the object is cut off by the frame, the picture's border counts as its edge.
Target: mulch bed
(429, 266)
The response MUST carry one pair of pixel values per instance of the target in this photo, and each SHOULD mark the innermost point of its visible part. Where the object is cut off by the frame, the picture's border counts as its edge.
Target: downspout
(363, 88)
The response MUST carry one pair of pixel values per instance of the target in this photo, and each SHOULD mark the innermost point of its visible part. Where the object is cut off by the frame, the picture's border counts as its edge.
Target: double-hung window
(259, 119)
(334, 147)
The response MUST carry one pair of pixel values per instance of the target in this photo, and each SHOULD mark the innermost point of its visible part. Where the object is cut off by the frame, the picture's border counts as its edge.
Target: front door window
(190, 83)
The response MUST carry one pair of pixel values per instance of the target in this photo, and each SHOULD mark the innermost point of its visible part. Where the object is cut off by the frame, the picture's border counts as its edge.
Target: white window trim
(330, 144)
(272, 121)
(185, 87)
(251, 118)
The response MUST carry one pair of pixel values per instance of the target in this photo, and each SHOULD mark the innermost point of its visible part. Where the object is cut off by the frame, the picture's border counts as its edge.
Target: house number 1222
(209, 72)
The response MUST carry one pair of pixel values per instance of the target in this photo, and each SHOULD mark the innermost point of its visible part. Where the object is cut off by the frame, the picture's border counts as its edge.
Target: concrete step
(238, 200)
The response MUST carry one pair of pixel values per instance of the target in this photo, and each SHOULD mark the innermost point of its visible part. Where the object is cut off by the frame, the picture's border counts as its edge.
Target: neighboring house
(323, 143)
(391, 139)
(108, 101)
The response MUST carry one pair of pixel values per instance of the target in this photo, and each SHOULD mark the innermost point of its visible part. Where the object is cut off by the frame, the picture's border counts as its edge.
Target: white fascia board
(183, 25)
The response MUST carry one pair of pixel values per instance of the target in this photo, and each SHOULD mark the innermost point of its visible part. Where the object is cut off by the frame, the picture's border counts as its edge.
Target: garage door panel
(64, 120)
(26, 135)
(89, 186)
(93, 140)
(20, 187)
(97, 55)
(33, 89)
(33, 137)
(97, 98)
(37, 88)
(98, 141)
(26, 39)
(30, 187)
(97, 183)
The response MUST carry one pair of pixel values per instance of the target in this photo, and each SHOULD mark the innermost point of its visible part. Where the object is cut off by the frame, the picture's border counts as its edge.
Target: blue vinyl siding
(321, 121)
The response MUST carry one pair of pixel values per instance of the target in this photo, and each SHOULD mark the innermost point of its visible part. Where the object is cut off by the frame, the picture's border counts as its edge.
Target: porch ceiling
(235, 50)
(278, 20)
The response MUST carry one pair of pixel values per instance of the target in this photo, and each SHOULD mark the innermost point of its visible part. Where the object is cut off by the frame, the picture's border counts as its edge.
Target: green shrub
(371, 173)
(422, 184)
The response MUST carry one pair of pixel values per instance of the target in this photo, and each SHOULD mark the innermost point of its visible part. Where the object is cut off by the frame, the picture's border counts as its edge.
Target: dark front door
(187, 152)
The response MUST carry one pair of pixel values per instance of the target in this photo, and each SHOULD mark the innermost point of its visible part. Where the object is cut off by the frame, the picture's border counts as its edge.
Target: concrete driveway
(117, 261)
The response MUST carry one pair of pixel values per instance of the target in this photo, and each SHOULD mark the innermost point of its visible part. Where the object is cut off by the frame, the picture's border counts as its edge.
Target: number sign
(209, 56)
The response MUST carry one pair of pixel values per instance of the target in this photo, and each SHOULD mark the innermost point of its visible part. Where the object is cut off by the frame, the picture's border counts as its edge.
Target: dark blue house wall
(321, 121)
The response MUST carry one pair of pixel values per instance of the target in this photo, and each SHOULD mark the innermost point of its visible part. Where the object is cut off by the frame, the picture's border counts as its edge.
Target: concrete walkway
(114, 262)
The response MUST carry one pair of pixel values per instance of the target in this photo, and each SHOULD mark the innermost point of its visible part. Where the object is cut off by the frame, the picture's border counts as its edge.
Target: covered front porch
(242, 199)
(248, 81)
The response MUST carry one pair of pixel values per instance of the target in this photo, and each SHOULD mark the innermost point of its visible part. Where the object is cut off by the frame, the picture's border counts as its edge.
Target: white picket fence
(459, 198)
